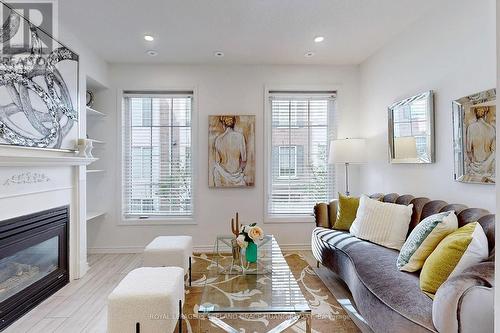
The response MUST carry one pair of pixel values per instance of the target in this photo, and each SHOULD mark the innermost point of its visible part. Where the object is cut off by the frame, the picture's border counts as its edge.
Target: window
(288, 161)
(300, 132)
(157, 175)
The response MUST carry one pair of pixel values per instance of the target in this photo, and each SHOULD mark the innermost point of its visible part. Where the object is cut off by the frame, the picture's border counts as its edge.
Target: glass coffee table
(274, 292)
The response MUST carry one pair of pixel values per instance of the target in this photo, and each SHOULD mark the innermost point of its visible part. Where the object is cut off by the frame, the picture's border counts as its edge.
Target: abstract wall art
(38, 86)
(474, 134)
(231, 151)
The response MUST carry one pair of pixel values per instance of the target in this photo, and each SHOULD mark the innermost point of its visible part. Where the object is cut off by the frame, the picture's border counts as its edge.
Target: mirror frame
(429, 95)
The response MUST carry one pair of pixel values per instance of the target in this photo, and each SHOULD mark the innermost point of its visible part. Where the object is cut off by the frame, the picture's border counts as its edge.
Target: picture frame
(39, 102)
(231, 151)
(474, 135)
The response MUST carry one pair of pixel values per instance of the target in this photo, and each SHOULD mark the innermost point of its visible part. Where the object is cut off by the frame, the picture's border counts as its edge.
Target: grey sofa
(391, 300)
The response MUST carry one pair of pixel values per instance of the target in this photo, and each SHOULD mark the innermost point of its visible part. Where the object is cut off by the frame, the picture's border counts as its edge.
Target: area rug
(328, 315)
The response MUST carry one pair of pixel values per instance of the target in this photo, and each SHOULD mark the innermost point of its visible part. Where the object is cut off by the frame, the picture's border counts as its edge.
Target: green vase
(251, 252)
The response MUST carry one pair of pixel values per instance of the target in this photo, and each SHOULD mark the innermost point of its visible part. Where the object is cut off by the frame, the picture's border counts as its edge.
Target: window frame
(268, 92)
(124, 220)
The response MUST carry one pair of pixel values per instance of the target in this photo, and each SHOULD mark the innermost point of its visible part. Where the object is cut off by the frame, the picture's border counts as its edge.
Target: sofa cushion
(461, 249)
(346, 212)
(376, 269)
(424, 238)
(383, 223)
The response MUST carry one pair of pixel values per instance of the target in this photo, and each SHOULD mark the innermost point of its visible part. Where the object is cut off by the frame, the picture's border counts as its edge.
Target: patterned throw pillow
(424, 238)
(346, 212)
(458, 251)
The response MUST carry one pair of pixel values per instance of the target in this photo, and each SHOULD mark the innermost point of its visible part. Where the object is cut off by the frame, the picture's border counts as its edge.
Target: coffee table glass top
(272, 291)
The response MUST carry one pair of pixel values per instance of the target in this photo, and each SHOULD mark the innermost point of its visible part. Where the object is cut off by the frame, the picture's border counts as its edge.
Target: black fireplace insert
(33, 261)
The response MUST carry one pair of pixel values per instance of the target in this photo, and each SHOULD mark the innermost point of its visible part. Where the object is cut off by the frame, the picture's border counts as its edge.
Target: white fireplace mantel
(39, 161)
(37, 179)
(20, 156)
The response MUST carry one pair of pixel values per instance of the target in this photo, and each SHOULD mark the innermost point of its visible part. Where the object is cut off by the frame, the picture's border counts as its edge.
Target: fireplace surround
(34, 260)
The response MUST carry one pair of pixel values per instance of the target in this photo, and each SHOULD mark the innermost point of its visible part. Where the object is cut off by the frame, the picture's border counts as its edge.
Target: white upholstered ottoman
(148, 299)
(165, 251)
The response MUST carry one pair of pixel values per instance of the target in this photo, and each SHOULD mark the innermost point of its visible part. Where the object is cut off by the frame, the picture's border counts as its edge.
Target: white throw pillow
(382, 223)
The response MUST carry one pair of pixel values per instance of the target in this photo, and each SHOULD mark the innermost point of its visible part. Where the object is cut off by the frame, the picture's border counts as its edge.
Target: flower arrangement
(249, 235)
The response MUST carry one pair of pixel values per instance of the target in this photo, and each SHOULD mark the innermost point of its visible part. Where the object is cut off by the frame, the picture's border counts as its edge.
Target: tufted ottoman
(169, 251)
(148, 299)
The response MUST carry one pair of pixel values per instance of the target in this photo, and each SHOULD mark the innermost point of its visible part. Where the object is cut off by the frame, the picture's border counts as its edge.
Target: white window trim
(163, 220)
(294, 163)
(270, 219)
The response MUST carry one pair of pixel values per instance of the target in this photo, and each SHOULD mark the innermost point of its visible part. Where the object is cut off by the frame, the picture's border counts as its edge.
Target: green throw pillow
(458, 251)
(346, 212)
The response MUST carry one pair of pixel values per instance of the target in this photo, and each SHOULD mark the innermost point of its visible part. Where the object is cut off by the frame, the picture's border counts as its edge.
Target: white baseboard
(118, 249)
(196, 249)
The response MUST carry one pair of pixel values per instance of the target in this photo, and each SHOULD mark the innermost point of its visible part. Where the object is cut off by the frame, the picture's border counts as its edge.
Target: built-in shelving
(94, 112)
(98, 179)
(93, 215)
(95, 171)
(95, 141)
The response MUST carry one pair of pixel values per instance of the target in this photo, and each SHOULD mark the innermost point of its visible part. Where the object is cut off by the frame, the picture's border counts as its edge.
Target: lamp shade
(347, 151)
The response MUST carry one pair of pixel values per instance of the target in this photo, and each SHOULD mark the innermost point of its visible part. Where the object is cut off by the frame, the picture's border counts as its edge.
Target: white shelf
(93, 215)
(94, 171)
(97, 141)
(93, 112)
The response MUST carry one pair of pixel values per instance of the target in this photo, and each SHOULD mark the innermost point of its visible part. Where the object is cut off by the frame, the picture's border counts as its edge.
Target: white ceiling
(247, 31)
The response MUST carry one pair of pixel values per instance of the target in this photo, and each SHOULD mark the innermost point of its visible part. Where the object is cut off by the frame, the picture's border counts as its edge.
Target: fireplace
(33, 261)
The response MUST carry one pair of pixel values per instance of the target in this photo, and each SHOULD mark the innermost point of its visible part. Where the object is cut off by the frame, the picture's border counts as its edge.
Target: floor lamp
(347, 151)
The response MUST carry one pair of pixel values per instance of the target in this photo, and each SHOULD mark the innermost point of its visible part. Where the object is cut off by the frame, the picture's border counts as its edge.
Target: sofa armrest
(464, 303)
(325, 214)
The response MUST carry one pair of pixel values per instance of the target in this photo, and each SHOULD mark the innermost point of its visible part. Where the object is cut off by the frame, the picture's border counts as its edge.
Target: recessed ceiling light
(309, 54)
(219, 54)
(319, 39)
(152, 53)
(149, 38)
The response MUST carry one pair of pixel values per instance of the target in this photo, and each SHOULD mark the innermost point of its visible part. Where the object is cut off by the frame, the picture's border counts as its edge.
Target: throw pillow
(424, 238)
(459, 250)
(382, 223)
(346, 212)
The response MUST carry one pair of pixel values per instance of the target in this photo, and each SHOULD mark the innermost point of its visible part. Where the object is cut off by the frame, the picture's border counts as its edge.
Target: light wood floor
(81, 305)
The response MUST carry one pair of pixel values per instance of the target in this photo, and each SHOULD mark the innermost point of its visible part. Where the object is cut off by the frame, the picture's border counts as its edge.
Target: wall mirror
(411, 129)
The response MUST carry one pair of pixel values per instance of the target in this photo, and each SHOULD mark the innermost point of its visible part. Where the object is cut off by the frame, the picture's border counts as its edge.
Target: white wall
(451, 51)
(220, 90)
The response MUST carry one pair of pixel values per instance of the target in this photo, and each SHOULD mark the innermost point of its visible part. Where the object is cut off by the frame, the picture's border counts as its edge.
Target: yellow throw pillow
(459, 250)
(346, 212)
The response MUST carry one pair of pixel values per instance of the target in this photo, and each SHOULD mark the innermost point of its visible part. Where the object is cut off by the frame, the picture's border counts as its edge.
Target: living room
(248, 166)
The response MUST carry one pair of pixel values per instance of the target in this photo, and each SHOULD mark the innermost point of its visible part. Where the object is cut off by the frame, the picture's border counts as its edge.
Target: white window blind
(157, 153)
(302, 125)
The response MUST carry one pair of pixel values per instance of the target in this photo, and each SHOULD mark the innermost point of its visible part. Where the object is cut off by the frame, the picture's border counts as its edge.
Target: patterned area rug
(328, 315)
